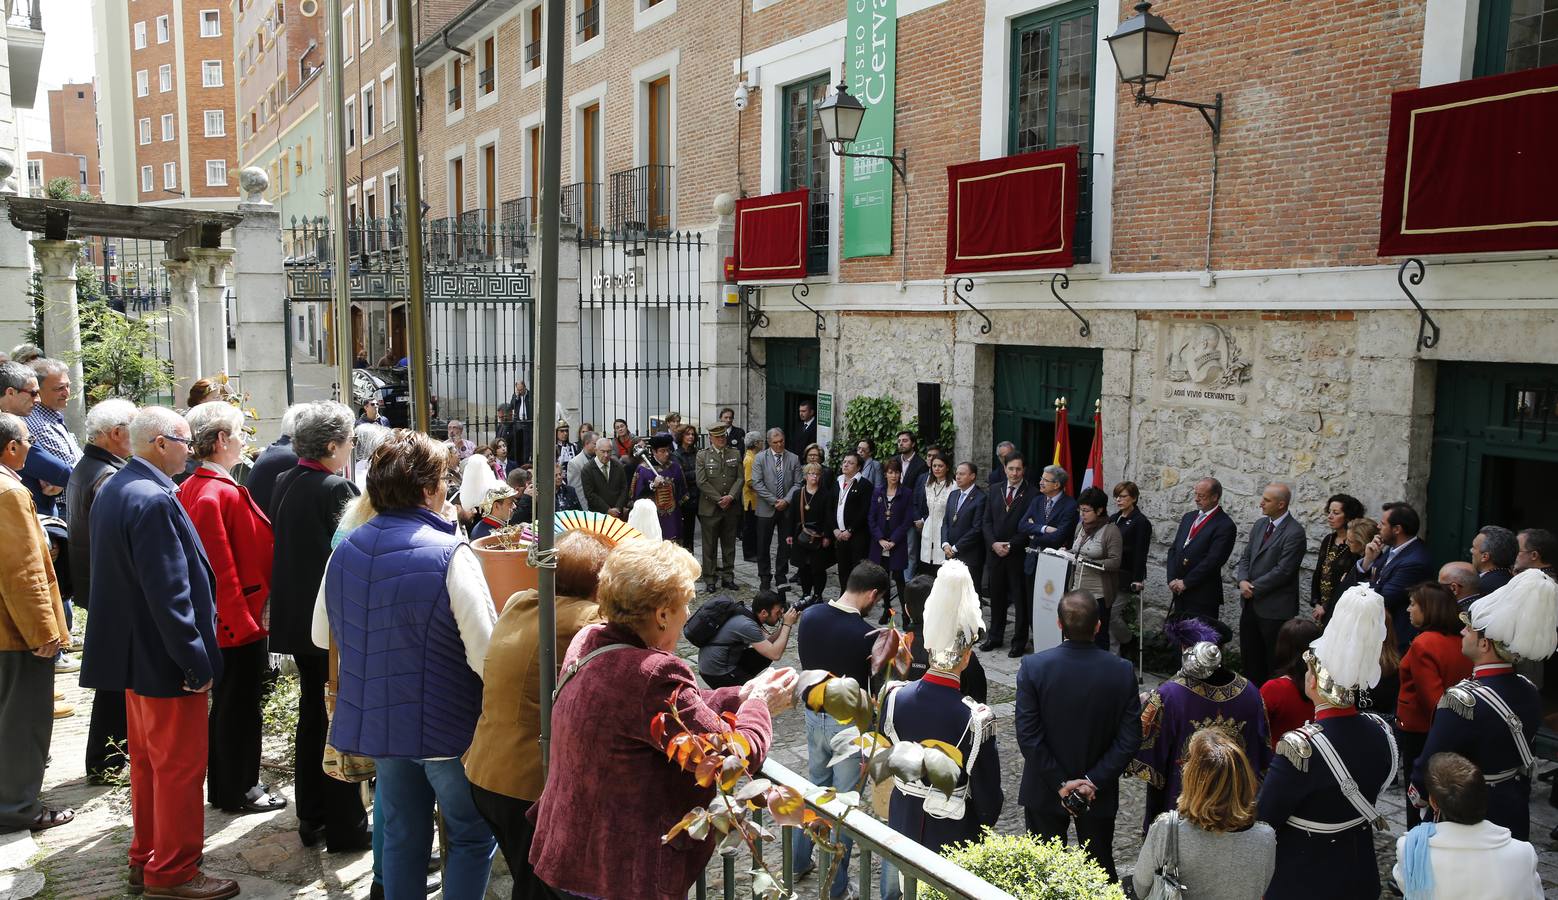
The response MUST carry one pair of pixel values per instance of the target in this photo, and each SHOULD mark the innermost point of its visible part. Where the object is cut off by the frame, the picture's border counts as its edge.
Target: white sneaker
(64, 663)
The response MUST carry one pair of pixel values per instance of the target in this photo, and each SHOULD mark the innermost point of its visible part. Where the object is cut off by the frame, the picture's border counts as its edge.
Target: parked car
(392, 388)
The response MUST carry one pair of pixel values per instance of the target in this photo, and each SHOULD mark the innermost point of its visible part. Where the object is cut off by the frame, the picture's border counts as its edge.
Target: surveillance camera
(740, 97)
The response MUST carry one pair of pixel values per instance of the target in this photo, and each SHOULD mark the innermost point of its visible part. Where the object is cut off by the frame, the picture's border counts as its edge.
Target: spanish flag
(1063, 444)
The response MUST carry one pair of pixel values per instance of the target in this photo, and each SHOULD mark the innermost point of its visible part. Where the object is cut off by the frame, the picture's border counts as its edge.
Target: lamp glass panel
(1130, 55)
(1160, 51)
(849, 119)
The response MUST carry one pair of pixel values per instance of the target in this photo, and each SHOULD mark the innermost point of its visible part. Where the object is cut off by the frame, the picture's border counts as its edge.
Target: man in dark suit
(1052, 517)
(605, 481)
(851, 516)
(1493, 554)
(806, 434)
(1078, 726)
(1268, 581)
(1004, 541)
(152, 634)
(106, 451)
(1396, 562)
(914, 464)
(522, 417)
(277, 458)
(1537, 549)
(1196, 558)
(1461, 580)
(962, 525)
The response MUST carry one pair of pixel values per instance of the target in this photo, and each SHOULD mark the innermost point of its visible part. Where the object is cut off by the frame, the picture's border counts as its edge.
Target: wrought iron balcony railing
(487, 79)
(533, 55)
(641, 201)
(25, 14)
(818, 242)
(580, 204)
(587, 22)
(454, 97)
(518, 223)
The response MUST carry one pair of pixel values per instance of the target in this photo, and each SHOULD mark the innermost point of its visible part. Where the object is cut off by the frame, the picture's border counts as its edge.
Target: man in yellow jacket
(32, 631)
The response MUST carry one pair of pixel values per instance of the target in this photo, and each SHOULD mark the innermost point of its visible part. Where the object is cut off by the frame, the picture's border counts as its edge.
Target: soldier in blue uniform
(1476, 717)
(493, 500)
(933, 708)
(1320, 792)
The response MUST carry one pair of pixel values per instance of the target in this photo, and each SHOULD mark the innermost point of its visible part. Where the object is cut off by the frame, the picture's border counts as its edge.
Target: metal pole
(546, 362)
(340, 267)
(411, 191)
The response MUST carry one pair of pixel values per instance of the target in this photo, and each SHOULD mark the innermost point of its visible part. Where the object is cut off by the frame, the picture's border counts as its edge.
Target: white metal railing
(917, 864)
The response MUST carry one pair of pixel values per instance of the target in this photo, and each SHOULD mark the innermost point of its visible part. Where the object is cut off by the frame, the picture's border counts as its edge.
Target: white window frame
(583, 50)
(369, 107)
(386, 15)
(164, 34)
(576, 105)
(206, 70)
(169, 130)
(452, 115)
(388, 99)
(170, 176)
(365, 25)
(352, 125)
(221, 122)
(164, 78)
(528, 77)
(645, 15)
(667, 66)
(816, 53)
(143, 129)
(213, 180)
(140, 35)
(450, 155)
(211, 17)
(148, 182)
(142, 83)
(348, 32)
(485, 100)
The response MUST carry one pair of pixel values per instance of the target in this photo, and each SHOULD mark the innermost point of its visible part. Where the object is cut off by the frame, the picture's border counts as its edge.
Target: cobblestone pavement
(86, 859)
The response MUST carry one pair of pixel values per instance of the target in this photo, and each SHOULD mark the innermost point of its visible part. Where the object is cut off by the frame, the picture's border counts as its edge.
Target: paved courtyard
(86, 859)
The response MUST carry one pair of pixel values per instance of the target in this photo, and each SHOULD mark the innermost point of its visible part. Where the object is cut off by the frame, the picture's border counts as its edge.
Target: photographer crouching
(734, 643)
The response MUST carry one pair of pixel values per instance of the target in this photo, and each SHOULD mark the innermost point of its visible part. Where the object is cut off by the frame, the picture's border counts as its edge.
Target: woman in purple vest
(406, 586)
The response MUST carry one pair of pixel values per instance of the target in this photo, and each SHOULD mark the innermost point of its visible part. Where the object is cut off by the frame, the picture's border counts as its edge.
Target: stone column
(15, 280)
(261, 309)
(569, 346)
(61, 320)
(722, 337)
(183, 325)
(210, 270)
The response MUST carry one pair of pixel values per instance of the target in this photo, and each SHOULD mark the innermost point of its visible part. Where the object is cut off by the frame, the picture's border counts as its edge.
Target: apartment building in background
(167, 78)
(279, 49)
(73, 151)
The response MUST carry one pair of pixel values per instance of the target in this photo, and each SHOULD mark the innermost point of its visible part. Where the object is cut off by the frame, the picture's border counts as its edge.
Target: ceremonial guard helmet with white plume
(1520, 618)
(645, 518)
(479, 488)
(1345, 660)
(952, 622)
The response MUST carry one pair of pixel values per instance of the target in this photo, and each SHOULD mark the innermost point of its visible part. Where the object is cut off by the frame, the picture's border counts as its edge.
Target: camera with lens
(1075, 803)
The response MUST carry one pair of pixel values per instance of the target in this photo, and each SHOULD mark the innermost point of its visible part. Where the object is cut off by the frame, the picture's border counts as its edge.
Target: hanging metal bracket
(967, 284)
(1427, 328)
(756, 319)
(1061, 279)
(799, 290)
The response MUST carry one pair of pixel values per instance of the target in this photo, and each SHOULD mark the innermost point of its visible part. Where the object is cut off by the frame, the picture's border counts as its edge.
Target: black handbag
(806, 538)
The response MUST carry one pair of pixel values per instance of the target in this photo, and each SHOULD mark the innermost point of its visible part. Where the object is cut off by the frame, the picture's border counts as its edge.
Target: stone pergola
(197, 265)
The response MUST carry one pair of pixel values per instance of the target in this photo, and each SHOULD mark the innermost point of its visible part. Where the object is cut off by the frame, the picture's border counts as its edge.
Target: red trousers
(168, 739)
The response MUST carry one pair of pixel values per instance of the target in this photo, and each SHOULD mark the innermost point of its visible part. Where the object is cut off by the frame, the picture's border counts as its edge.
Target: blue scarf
(1417, 873)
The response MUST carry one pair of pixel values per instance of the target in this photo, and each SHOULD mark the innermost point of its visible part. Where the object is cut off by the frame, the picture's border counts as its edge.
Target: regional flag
(1094, 476)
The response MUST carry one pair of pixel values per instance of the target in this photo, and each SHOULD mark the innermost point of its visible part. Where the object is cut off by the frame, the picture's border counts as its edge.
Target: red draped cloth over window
(1473, 166)
(1017, 212)
(771, 237)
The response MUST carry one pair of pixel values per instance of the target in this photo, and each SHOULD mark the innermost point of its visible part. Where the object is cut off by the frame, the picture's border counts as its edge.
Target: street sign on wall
(871, 46)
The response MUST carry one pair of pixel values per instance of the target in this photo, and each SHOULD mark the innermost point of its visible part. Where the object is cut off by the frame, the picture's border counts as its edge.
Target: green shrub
(877, 418)
(1031, 869)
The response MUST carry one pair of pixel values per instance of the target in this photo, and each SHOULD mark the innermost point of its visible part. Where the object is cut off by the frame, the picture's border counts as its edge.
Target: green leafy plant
(947, 432)
(118, 355)
(1031, 869)
(280, 718)
(877, 418)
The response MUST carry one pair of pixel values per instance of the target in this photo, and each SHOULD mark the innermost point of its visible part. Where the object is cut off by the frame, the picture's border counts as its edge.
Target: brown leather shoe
(137, 884)
(201, 887)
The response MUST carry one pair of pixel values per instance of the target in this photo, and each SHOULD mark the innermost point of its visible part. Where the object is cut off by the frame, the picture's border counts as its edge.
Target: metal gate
(640, 312)
(480, 328)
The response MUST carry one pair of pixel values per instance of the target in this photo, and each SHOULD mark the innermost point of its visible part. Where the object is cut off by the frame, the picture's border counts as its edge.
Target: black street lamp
(1143, 46)
(840, 116)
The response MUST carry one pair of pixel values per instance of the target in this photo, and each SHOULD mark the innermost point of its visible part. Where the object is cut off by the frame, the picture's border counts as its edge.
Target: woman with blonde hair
(593, 837)
(1211, 842)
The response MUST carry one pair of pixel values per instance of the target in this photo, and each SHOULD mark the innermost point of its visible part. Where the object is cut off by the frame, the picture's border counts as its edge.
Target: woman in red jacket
(1286, 705)
(610, 793)
(238, 543)
(1433, 662)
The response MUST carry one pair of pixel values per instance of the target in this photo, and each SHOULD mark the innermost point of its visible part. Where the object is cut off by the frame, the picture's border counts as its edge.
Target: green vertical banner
(871, 48)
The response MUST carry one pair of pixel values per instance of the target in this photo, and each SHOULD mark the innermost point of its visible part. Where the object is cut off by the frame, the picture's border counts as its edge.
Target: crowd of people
(346, 546)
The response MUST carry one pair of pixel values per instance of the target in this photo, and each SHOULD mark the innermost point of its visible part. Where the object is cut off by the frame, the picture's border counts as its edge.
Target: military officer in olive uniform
(1320, 792)
(719, 482)
(1491, 718)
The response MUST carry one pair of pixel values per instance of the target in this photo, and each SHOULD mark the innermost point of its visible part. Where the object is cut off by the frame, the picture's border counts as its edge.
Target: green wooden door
(1027, 382)
(1495, 453)
(793, 365)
